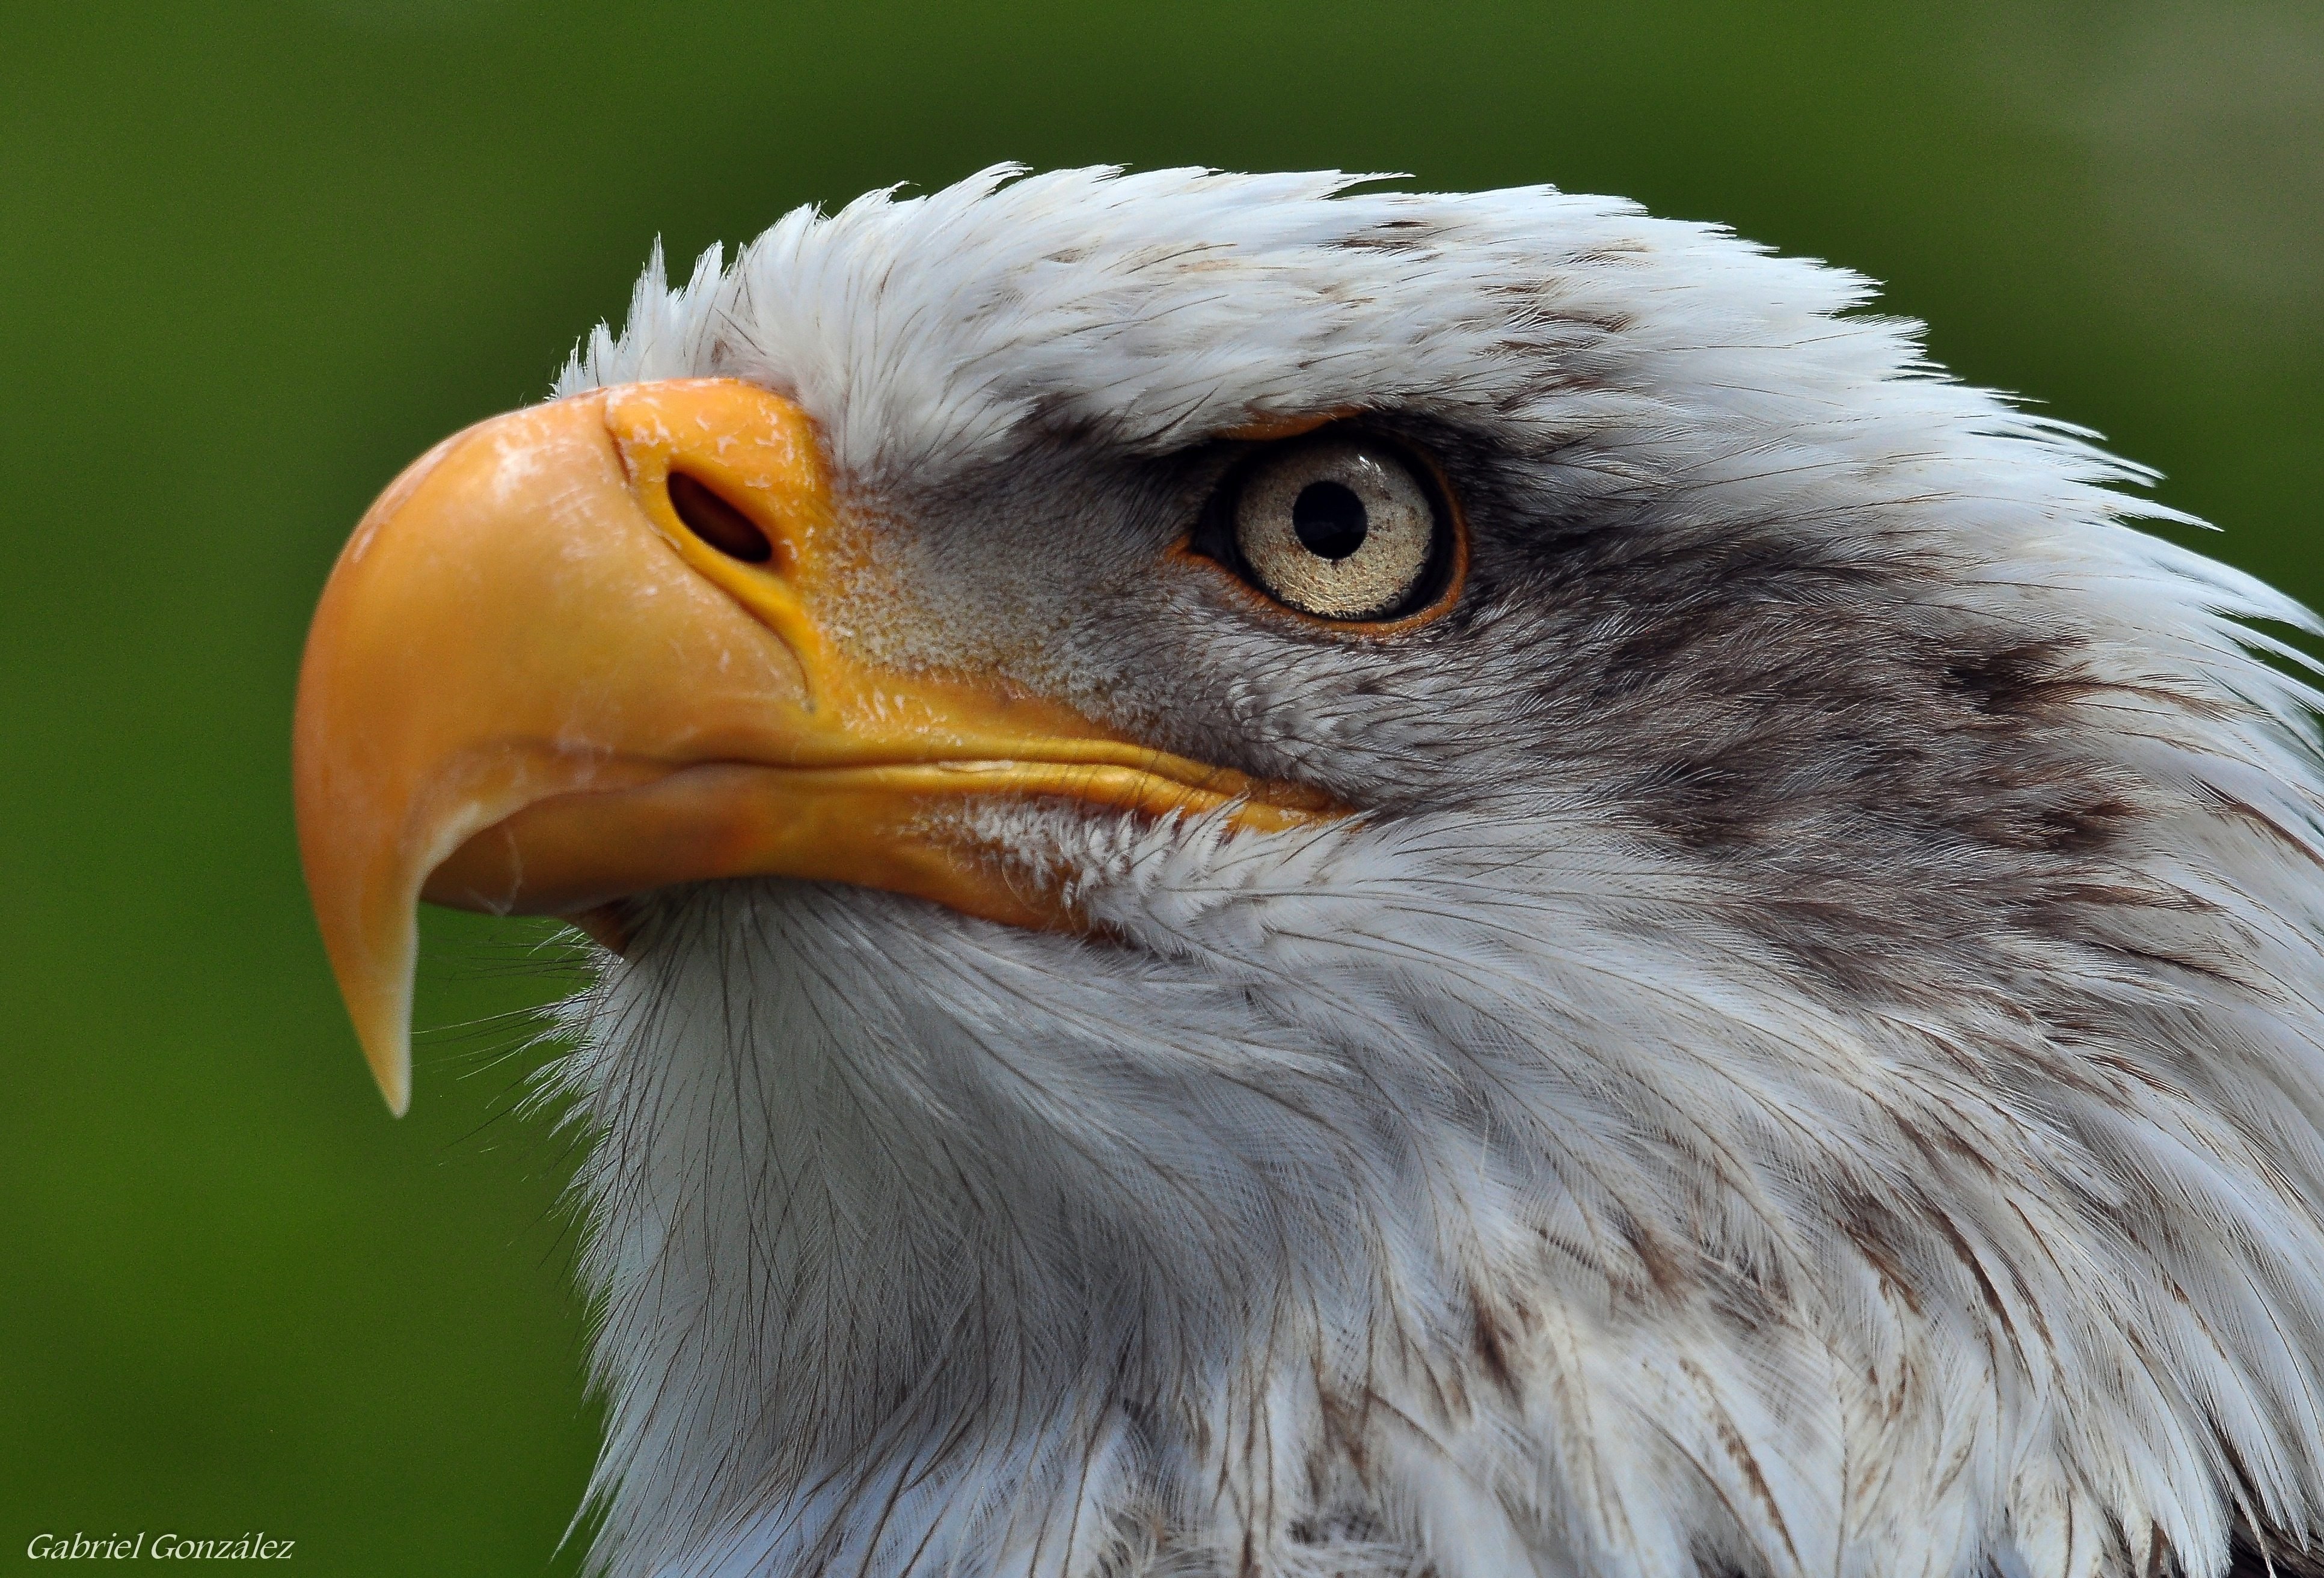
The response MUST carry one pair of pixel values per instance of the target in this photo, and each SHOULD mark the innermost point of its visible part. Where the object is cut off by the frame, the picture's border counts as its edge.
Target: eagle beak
(588, 649)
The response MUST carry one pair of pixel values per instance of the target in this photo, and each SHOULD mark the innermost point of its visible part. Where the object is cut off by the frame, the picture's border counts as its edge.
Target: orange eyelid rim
(1456, 577)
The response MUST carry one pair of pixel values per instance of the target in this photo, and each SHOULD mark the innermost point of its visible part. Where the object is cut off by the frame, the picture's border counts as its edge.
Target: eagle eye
(1339, 527)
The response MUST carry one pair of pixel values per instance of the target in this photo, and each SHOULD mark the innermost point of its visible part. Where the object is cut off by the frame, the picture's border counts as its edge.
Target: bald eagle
(1309, 882)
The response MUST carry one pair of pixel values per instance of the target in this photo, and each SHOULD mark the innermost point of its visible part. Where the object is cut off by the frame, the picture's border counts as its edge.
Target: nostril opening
(717, 522)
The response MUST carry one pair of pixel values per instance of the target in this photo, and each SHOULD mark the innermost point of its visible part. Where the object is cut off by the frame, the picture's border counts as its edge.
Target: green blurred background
(252, 259)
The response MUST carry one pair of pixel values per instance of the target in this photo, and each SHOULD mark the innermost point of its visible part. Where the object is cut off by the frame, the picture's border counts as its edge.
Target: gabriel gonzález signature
(78, 1546)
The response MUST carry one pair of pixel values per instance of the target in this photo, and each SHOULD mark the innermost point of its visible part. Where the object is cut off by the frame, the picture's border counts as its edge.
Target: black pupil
(1330, 519)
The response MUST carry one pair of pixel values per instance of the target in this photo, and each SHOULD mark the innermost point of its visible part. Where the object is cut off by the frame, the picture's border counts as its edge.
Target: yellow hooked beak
(586, 650)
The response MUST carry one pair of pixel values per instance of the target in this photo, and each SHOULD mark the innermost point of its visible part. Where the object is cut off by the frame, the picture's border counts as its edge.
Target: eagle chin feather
(1809, 1061)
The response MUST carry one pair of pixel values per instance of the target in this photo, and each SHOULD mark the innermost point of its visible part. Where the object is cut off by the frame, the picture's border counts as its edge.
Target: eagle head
(1312, 882)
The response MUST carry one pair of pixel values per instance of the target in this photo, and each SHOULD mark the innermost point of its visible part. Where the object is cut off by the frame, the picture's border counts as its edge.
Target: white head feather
(1812, 1063)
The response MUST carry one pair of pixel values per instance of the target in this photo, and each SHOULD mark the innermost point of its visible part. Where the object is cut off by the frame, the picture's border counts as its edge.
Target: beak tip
(386, 1037)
